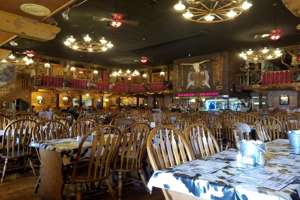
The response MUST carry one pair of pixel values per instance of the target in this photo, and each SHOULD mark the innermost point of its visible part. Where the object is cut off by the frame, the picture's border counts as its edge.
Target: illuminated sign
(198, 94)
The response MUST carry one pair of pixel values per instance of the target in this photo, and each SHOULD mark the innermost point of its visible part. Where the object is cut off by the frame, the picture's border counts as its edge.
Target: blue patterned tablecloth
(68, 147)
(221, 178)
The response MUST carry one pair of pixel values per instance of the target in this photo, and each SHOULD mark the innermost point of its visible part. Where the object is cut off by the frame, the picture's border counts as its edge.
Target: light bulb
(265, 50)
(103, 40)
(278, 52)
(75, 47)
(71, 39)
(249, 52)
(269, 57)
(104, 49)
(95, 72)
(128, 71)
(209, 17)
(3, 61)
(11, 57)
(87, 38)
(188, 15)
(67, 43)
(246, 5)
(231, 14)
(179, 6)
(109, 45)
(144, 75)
(47, 65)
(72, 69)
(162, 73)
(90, 49)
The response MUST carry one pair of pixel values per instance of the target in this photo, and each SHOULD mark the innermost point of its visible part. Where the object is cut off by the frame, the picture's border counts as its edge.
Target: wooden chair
(167, 148)
(201, 141)
(272, 127)
(4, 121)
(122, 123)
(262, 133)
(15, 142)
(50, 130)
(217, 131)
(132, 153)
(82, 127)
(101, 156)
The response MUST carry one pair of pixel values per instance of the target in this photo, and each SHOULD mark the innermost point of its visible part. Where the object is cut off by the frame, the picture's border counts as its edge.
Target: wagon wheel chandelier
(87, 44)
(211, 11)
(260, 55)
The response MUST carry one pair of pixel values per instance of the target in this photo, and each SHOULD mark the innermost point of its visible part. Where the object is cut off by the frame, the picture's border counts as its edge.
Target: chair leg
(32, 167)
(37, 185)
(110, 189)
(143, 178)
(4, 170)
(120, 185)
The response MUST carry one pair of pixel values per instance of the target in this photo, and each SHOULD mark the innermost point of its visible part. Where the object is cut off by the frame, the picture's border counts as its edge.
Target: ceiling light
(13, 43)
(65, 98)
(144, 59)
(188, 15)
(231, 14)
(128, 71)
(212, 11)
(12, 57)
(25, 58)
(87, 38)
(115, 24)
(35, 9)
(144, 75)
(95, 72)
(209, 18)
(246, 5)
(87, 44)
(265, 35)
(72, 69)
(80, 72)
(260, 55)
(179, 6)
(47, 65)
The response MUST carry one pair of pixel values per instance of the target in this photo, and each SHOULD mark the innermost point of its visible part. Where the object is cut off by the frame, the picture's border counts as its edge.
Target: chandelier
(259, 55)
(87, 44)
(127, 74)
(211, 11)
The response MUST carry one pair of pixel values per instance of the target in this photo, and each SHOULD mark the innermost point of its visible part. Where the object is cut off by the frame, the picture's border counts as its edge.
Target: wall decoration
(203, 73)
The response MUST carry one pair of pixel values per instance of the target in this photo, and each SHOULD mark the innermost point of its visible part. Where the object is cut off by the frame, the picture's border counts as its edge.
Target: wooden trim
(26, 27)
(4, 53)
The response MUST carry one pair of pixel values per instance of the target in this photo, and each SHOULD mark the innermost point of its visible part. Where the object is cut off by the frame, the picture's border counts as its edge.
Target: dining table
(221, 177)
(55, 155)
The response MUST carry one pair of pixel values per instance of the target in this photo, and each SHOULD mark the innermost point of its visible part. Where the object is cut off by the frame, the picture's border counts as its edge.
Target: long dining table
(220, 177)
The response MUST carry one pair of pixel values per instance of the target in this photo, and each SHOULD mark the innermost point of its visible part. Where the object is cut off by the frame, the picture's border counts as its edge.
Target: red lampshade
(144, 59)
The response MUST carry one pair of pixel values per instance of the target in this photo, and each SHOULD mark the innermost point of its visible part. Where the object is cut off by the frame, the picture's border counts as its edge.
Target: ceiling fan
(116, 20)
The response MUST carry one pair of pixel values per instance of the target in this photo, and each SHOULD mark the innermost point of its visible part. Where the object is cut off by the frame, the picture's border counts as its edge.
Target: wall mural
(7, 73)
(199, 73)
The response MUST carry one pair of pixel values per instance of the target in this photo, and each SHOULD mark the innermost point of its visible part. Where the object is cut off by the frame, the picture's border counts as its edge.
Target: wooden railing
(61, 82)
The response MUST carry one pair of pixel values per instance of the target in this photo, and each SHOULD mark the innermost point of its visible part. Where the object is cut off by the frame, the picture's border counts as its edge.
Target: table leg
(171, 195)
(51, 175)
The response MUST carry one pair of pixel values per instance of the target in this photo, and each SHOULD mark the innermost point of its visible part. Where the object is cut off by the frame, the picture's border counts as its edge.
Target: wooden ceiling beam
(27, 28)
(4, 53)
(293, 6)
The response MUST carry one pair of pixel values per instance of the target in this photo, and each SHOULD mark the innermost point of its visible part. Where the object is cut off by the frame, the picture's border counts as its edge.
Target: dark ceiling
(162, 34)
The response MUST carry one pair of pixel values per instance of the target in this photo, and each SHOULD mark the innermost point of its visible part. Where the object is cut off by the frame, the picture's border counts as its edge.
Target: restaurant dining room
(150, 99)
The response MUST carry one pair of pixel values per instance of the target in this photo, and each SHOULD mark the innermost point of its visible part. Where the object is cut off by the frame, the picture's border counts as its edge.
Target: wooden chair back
(132, 147)
(272, 127)
(50, 130)
(17, 136)
(101, 156)
(82, 127)
(166, 148)
(261, 132)
(201, 141)
(122, 123)
(4, 121)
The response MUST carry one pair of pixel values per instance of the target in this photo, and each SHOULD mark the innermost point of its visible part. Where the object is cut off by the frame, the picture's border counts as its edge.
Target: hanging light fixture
(211, 11)
(87, 44)
(259, 55)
